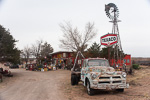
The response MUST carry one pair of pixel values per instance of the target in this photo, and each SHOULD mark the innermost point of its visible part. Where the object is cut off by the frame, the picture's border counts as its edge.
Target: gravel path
(55, 85)
(31, 85)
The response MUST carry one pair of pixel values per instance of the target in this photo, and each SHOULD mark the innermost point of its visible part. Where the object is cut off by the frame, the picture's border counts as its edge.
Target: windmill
(112, 13)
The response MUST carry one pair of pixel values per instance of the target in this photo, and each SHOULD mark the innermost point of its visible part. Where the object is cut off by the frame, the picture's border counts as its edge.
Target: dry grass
(137, 91)
(144, 71)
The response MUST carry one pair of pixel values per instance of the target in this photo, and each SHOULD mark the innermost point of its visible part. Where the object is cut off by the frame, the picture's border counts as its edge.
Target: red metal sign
(109, 39)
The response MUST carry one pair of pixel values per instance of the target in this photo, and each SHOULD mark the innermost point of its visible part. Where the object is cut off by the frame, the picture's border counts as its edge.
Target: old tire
(73, 80)
(120, 90)
(77, 80)
(89, 90)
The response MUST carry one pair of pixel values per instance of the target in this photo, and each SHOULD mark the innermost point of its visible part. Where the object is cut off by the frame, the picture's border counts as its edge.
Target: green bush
(135, 66)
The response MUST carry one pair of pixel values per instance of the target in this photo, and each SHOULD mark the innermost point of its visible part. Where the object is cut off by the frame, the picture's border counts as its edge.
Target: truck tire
(89, 90)
(77, 80)
(120, 90)
(73, 80)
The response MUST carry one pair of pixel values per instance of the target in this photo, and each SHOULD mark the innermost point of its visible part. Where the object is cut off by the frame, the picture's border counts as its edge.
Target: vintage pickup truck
(96, 73)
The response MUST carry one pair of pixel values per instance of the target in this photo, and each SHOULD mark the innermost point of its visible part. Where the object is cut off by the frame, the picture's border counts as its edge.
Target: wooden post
(109, 54)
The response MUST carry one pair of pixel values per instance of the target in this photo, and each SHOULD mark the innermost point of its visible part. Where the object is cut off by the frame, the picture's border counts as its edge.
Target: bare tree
(36, 48)
(41, 50)
(73, 39)
(26, 53)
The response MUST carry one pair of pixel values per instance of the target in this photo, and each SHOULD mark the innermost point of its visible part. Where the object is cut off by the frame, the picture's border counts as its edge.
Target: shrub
(135, 66)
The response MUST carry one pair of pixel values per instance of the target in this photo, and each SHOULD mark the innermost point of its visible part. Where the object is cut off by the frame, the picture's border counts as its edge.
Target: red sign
(109, 39)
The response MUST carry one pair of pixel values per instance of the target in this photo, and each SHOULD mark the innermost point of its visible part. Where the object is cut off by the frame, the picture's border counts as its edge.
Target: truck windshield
(98, 62)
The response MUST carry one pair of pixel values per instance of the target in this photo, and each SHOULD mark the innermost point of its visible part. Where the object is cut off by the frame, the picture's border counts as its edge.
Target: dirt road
(31, 85)
(55, 85)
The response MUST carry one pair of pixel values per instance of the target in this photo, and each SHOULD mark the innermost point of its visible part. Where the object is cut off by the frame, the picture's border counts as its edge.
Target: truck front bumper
(109, 86)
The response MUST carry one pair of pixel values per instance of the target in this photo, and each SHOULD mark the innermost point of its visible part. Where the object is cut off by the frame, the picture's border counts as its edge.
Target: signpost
(109, 39)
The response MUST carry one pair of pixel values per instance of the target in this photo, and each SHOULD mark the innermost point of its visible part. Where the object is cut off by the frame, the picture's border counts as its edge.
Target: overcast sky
(31, 20)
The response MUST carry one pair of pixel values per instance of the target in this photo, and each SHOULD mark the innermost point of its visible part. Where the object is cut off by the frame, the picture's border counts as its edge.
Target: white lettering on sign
(109, 39)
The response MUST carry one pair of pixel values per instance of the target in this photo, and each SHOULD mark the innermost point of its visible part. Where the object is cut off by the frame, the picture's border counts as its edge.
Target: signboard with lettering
(109, 39)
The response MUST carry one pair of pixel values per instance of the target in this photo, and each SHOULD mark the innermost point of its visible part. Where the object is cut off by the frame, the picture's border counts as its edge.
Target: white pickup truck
(96, 73)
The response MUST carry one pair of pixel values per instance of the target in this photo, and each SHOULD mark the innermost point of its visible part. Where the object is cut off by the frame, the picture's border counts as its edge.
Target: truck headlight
(124, 75)
(94, 76)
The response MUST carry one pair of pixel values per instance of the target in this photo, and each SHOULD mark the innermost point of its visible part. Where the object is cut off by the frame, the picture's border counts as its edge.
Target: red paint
(69, 55)
(59, 56)
(126, 60)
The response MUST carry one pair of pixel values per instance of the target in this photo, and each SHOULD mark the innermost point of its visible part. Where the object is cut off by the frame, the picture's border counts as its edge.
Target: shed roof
(60, 52)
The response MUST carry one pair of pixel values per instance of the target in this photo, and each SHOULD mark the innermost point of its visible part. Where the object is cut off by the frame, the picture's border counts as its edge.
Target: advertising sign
(109, 39)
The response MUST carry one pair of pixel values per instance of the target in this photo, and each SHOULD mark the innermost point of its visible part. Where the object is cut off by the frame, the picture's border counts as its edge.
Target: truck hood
(103, 70)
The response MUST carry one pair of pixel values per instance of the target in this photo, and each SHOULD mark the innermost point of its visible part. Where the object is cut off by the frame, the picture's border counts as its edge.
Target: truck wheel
(89, 90)
(77, 81)
(73, 79)
(120, 90)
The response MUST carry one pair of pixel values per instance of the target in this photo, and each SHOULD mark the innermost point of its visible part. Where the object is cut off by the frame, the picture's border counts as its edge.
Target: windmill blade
(107, 10)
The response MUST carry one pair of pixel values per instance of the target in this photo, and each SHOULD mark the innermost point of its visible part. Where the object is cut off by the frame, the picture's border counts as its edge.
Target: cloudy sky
(31, 20)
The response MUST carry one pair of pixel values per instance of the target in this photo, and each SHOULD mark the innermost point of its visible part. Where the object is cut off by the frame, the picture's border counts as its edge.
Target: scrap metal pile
(6, 73)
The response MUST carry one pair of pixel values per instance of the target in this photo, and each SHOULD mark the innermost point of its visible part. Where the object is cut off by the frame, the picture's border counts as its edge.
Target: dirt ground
(32, 85)
(139, 89)
(55, 85)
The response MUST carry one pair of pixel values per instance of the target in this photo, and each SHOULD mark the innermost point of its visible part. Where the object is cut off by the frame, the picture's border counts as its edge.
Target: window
(64, 55)
(128, 60)
(98, 62)
(79, 61)
(124, 60)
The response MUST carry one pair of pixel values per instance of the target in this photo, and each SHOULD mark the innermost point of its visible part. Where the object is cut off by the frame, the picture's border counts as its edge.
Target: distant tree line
(10, 53)
(40, 50)
(95, 51)
(73, 39)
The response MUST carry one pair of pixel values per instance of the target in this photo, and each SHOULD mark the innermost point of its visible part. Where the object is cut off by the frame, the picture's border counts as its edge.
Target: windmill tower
(112, 13)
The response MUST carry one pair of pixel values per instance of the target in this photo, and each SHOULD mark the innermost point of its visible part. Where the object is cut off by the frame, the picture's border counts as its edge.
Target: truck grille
(116, 82)
(116, 77)
(110, 80)
(105, 82)
(104, 78)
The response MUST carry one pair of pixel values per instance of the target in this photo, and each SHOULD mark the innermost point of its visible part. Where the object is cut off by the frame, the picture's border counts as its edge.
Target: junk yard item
(5, 72)
(96, 73)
